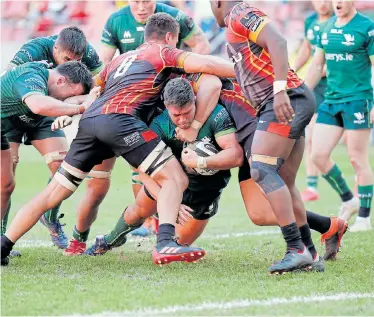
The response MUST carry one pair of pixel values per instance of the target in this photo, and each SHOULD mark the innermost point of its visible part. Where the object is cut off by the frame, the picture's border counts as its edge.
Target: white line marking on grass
(45, 243)
(149, 311)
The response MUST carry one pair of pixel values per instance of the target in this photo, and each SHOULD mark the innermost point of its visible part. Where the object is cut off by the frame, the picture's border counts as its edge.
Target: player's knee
(358, 162)
(69, 178)
(8, 186)
(264, 171)
(55, 157)
(319, 158)
(15, 159)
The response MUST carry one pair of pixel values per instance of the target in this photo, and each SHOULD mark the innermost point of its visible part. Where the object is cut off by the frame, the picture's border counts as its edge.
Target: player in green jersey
(124, 29)
(312, 27)
(28, 92)
(346, 46)
(203, 193)
(69, 44)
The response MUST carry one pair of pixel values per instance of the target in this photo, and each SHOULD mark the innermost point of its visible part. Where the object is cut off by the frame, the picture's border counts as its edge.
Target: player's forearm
(277, 48)
(196, 63)
(207, 97)
(76, 100)
(226, 159)
(50, 107)
(314, 75)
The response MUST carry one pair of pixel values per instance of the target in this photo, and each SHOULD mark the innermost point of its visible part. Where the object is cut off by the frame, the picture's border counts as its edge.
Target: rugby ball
(204, 149)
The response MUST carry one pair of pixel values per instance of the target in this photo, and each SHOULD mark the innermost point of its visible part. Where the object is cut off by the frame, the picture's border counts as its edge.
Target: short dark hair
(159, 24)
(178, 92)
(77, 73)
(73, 40)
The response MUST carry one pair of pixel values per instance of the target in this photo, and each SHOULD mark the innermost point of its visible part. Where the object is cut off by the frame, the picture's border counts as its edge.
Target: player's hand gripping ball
(191, 153)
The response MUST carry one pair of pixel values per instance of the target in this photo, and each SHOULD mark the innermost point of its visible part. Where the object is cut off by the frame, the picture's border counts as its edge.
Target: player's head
(162, 28)
(70, 79)
(70, 45)
(142, 9)
(179, 100)
(343, 8)
(220, 10)
(323, 7)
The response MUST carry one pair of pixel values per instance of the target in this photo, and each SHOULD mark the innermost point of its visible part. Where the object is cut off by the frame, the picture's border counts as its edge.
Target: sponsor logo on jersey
(339, 57)
(140, 28)
(336, 31)
(360, 118)
(127, 39)
(251, 21)
(310, 35)
(371, 33)
(179, 16)
(324, 39)
(349, 40)
(316, 27)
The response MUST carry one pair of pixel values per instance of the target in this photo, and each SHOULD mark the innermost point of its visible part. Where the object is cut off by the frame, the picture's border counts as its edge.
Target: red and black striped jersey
(133, 81)
(253, 66)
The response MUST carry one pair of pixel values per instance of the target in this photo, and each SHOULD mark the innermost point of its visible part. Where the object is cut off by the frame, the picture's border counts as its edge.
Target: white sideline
(237, 304)
(23, 243)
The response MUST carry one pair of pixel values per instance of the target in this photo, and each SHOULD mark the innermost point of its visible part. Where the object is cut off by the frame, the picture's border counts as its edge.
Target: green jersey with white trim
(122, 31)
(348, 50)
(219, 123)
(19, 83)
(41, 49)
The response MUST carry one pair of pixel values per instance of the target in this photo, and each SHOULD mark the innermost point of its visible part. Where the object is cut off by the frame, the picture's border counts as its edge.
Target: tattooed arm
(198, 42)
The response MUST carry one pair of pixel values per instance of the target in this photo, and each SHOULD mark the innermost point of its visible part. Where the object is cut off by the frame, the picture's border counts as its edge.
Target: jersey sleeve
(223, 124)
(370, 41)
(174, 57)
(92, 60)
(248, 24)
(187, 26)
(194, 80)
(156, 126)
(29, 52)
(29, 84)
(108, 37)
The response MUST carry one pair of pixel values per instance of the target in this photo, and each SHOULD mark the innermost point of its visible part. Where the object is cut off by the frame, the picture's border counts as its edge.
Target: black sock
(6, 246)
(291, 235)
(364, 212)
(306, 237)
(346, 196)
(317, 222)
(165, 233)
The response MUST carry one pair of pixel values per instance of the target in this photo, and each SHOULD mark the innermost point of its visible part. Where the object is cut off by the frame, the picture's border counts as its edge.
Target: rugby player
(124, 29)
(70, 44)
(285, 107)
(313, 25)
(29, 92)
(203, 192)
(127, 102)
(346, 47)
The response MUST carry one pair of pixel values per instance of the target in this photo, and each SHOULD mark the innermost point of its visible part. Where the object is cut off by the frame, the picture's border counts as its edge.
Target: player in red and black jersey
(285, 106)
(114, 127)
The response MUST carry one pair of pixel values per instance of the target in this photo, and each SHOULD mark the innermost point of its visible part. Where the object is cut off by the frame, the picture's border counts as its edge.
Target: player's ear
(61, 80)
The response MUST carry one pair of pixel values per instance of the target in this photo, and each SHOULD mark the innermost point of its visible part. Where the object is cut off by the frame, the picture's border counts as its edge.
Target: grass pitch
(231, 280)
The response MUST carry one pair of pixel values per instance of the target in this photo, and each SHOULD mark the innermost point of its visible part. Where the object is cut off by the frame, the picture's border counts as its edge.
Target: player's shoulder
(120, 14)
(329, 24)
(42, 41)
(311, 18)
(162, 7)
(218, 112)
(162, 119)
(364, 22)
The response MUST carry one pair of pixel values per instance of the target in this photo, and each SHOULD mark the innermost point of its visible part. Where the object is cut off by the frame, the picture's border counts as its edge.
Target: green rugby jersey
(122, 31)
(348, 50)
(18, 83)
(219, 123)
(41, 48)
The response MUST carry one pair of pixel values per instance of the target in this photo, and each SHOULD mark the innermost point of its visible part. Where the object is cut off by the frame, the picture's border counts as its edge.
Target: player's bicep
(227, 141)
(27, 53)
(28, 85)
(269, 33)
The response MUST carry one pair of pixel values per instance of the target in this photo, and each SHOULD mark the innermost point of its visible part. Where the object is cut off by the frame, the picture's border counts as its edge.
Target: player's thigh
(7, 175)
(325, 139)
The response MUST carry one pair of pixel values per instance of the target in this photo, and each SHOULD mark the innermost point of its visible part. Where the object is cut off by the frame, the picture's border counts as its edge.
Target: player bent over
(70, 44)
(115, 126)
(28, 93)
(203, 192)
(346, 46)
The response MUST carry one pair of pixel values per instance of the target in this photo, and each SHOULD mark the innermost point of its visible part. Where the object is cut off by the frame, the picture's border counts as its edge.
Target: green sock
(335, 178)
(312, 182)
(4, 222)
(365, 193)
(80, 236)
(51, 214)
(118, 235)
